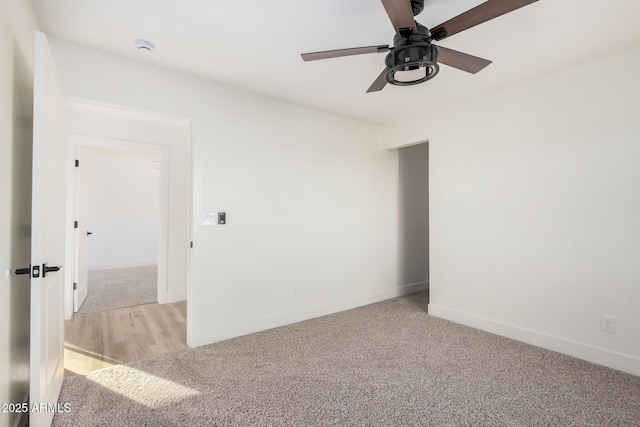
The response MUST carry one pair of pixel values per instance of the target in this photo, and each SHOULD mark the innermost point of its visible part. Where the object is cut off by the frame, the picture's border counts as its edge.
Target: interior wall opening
(118, 236)
(120, 259)
(413, 168)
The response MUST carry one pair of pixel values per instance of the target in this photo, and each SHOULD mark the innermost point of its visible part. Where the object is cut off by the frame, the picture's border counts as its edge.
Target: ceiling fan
(413, 58)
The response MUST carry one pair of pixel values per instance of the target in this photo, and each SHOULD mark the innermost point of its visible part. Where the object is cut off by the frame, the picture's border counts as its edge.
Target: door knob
(34, 272)
(23, 271)
(89, 233)
(46, 269)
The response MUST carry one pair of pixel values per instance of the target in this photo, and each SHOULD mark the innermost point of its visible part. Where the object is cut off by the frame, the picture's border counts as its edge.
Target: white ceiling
(256, 45)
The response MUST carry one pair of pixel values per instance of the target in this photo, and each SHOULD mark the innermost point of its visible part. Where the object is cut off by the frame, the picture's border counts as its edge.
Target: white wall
(535, 208)
(311, 200)
(123, 203)
(17, 27)
(413, 166)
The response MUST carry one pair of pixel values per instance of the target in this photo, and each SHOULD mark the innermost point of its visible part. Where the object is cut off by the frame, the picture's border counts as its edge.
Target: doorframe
(75, 144)
(141, 126)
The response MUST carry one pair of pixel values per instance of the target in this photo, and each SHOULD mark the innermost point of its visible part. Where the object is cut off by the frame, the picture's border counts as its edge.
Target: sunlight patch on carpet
(145, 388)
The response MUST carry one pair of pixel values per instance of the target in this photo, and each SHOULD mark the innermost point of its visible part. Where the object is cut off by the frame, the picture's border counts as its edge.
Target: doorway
(413, 168)
(129, 231)
(118, 235)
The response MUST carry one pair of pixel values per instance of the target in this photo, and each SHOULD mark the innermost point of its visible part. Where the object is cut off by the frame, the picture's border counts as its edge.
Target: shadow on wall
(413, 167)
(20, 295)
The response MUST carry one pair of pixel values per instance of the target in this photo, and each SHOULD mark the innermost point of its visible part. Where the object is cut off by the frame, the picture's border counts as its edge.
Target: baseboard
(210, 336)
(168, 298)
(129, 264)
(597, 355)
(418, 286)
(422, 286)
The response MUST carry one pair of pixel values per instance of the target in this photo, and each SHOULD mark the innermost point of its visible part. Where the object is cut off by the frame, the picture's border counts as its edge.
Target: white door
(82, 236)
(47, 239)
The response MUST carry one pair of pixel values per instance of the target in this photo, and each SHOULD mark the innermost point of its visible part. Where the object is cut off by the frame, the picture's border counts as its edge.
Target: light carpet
(386, 364)
(121, 287)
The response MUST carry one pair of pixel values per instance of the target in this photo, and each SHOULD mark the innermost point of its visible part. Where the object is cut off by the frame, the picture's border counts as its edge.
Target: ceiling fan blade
(479, 14)
(379, 83)
(344, 52)
(461, 61)
(400, 13)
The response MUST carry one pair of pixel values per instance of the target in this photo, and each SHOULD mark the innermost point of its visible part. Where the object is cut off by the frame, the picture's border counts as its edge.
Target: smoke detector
(144, 46)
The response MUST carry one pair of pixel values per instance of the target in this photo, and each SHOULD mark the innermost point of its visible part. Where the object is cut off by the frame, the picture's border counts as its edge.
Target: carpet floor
(121, 287)
(385, 364)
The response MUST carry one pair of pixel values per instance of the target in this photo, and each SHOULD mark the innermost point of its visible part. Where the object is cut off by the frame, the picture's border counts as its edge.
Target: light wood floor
(99, 340)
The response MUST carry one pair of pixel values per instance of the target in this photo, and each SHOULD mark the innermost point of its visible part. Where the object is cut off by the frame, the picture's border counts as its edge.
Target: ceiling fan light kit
(413, 59)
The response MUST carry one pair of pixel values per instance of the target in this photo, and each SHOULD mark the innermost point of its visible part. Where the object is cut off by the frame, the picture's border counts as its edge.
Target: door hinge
(35, 271)
(75, 224)
(75, 286)
(191, 244)
(77, 163)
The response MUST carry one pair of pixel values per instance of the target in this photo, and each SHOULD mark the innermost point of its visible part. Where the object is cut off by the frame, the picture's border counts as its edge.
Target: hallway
(99, 340)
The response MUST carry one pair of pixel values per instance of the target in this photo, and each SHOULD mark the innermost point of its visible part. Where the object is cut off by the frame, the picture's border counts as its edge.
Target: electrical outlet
(607, 324)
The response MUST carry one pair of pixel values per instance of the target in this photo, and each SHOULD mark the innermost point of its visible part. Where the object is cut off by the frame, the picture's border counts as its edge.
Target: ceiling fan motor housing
(417, 6)
(413, 59)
